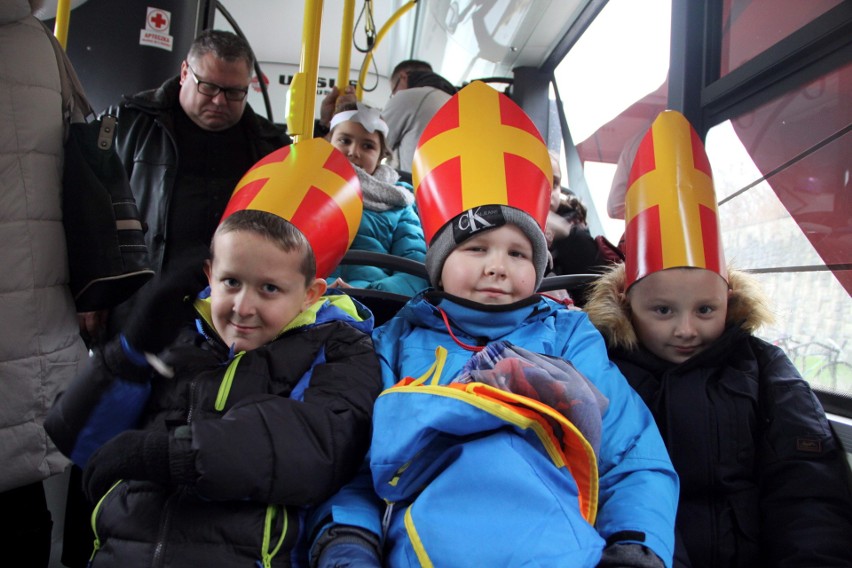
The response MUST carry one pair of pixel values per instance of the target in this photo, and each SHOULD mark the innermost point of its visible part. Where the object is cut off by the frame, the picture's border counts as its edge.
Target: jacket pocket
(519, 510)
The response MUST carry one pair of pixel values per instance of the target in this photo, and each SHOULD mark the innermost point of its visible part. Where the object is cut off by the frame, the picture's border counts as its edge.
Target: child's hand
(339, 283)
(348, 555)
(346, 99)
(327, 106)
(92, 326)
(334, 101)
(133, 454)
(164, 305)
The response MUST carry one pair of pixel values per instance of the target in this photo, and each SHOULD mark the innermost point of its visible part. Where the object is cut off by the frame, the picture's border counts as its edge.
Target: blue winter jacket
(389, 225)
(490, 491)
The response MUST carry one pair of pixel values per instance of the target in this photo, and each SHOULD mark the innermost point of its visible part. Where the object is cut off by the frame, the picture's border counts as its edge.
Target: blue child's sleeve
(638, 485)
(107, 398)
(357, 504)
(354, 505)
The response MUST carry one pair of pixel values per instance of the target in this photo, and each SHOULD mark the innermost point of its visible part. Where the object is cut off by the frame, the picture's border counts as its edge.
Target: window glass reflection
(782, 175)
(749, 27)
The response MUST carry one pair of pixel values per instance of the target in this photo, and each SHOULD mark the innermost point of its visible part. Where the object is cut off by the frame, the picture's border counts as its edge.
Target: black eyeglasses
(209, 89)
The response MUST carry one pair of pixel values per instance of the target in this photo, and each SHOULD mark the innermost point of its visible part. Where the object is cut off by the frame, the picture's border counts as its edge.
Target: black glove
(344, 546)
(134, 454)
(629, 555)
(164, 305)
(347, 555)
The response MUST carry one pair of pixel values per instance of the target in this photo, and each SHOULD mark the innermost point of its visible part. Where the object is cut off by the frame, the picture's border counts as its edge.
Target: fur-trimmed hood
(608, 309)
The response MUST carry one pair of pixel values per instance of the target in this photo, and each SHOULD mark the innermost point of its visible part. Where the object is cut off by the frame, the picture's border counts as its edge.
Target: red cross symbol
(158, 20)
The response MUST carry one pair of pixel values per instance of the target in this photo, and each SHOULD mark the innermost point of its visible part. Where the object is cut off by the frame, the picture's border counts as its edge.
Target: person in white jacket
(40, 343)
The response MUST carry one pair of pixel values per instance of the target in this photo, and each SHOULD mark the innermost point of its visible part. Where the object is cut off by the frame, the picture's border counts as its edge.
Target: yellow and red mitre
(670, 207)
(480, 148)
(313, 186)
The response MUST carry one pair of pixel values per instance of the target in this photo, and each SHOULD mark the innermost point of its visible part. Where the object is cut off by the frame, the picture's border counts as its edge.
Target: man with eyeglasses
(416, 95)
(187, 143)
(185, 146)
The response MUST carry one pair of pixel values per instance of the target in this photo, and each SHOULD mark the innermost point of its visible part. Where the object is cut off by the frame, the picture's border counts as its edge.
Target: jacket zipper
(160, 545)
(273, 511)
(93, 521)
(227, 381)
(193, 390)
(414, 538)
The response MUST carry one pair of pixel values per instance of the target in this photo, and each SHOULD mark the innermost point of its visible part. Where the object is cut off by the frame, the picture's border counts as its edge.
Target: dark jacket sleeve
(806, 509)
(279, 450)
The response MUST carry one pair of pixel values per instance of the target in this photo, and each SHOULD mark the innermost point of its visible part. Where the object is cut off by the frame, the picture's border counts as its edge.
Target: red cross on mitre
(480, 148)
(313, 186)
(670, 206)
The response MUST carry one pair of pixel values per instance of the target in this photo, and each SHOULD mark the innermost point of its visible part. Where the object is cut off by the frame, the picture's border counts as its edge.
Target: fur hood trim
(609, 310)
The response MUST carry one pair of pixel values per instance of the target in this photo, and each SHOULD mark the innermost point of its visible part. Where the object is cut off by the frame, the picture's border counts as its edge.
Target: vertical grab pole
(303, 89)
(365, 66)
(60, 26)
(344, 62)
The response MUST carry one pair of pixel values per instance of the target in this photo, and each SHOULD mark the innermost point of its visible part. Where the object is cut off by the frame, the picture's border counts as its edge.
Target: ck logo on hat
(477, 219)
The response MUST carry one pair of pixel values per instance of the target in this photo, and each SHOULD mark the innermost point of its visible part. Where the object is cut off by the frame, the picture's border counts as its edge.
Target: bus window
(775, 20)
(782, 181)
(612, 89)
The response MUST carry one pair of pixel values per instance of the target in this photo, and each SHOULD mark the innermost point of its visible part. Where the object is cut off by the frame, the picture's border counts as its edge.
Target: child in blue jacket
(488, 447)
(390, 224)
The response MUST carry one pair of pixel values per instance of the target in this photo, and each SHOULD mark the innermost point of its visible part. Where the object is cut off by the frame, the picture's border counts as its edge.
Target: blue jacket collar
(479, 321)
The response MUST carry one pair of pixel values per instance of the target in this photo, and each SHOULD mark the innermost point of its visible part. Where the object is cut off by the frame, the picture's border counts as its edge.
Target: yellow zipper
(227, 381)
(271, 513)
(416, 543)
(93, 521)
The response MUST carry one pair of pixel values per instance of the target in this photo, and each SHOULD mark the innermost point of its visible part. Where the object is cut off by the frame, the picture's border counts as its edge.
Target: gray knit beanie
(474, 221)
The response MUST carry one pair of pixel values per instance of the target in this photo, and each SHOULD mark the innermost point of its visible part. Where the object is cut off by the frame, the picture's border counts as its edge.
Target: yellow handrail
(345, 59)
(365, 66)
(303, 89)
(60, 26)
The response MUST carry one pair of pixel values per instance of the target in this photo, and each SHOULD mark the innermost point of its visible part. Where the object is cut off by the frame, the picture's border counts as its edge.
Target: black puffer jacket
(762, 477)
(145, 141)
(267, 434)
(764, 482)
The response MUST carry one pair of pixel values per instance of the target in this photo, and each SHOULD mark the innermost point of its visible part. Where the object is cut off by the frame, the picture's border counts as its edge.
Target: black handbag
(107, 255)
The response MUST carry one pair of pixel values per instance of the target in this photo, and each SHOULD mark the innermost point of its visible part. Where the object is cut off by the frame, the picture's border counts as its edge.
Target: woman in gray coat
(40, 344)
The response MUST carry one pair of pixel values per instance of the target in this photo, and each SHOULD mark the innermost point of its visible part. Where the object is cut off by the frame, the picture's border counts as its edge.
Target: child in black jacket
(763, 480)
(204, 444)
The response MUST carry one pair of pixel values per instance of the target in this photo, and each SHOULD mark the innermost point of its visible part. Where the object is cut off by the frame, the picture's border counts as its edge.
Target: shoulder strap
(75, 105)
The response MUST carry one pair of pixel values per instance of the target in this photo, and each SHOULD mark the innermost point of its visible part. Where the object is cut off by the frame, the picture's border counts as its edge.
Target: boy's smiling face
(492, 267)
(256, 288)
(679, 312)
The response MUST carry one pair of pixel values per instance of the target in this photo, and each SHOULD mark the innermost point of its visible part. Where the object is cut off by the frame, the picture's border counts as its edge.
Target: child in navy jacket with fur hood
(763, 480)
